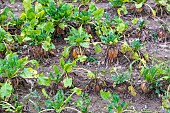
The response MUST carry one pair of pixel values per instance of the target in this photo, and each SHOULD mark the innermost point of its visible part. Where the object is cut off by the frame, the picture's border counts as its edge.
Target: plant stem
(8, 104)
(81, 69)
(45, 110)
(73, 109)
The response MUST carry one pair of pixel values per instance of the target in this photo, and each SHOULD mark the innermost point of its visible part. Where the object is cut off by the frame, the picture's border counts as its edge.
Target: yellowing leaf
(134, 21)
(153, 13)
(143, 62)
(132, 90)
(77, 90)
(45, 93)
(90, 74)
(27, 4)
(23, 16)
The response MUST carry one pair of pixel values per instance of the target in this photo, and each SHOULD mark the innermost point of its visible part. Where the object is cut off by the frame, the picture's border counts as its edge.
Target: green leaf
(38, 7)
(125, 47)
(2, 47)
(34, 22)
(23, 16)
(46, 45)
(136, 44)
(28, 73)
(62, 63)
(115, 98)
(45, 93)
(134, 21)
(105, 95)
(121, 27)
(139, 5)
(98, 13)
(135, 56)
(35, 32)
(27, 4)
(168, 7)
(116, 3)
(90, 74)
(66, 51)
(82, 58)
(67, 82)
(12, 1)
(77, 90)
(27, 39)
(68, 67)
(162, 2)
(62, 25)
(49, 27)
(43, 80)
(122, 9)
(85, 44)
(31, 14)
(143, 61)
(6, 90)
(92, 7)
(56, 70)
(40, 14)
(34, 62)
(19, 39)
(98, 49)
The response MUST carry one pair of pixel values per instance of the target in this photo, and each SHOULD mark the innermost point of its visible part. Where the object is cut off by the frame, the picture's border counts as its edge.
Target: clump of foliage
(114, 102)
(78, 40)
(133, 51)
(157, 76)
(13, 67)
(5, 38)
(36, 29)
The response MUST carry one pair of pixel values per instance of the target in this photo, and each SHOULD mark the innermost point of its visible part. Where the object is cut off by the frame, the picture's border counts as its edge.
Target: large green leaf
(28, 73)
(2, 47)
(98, 13)
(40, 14)
(82, 58)
(105, 95)
(68, 67)
(49, 27)
(168, 7)
(56, 70)
(6, 90)
(27, 4)
(43, 80)
(34, 22)
(92, 7)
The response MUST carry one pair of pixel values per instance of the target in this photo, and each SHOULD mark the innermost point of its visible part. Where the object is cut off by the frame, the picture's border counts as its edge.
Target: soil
(158, 50)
